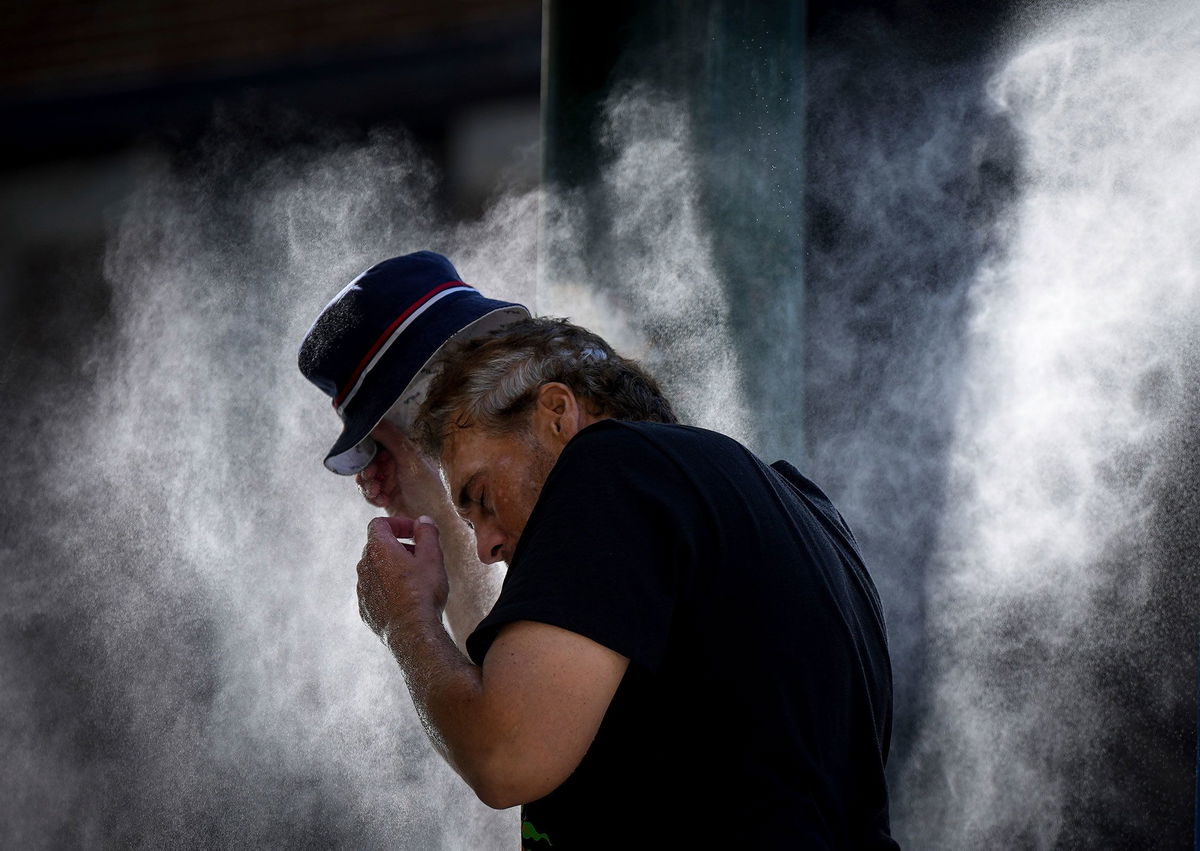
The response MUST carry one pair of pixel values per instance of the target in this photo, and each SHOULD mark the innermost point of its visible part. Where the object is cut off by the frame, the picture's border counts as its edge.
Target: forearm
(447, 691)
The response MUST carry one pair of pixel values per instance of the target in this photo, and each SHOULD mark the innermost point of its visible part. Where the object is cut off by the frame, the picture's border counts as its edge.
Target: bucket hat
(372, 348)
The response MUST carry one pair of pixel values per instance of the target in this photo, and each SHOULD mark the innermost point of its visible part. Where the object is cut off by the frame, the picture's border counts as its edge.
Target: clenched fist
(398, 581)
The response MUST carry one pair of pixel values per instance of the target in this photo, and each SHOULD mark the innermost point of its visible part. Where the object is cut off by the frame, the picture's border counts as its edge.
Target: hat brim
(355, 449)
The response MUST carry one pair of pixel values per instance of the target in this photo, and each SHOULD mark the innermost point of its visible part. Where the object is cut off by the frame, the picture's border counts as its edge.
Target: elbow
(494, 789)
(512, 784)
(497, 797)
(488, 780)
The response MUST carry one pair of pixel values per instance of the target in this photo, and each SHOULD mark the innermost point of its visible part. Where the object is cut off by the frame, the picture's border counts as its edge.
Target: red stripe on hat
(384, 336)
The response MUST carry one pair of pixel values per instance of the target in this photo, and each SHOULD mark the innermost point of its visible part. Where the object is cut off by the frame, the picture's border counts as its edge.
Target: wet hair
(492, 381)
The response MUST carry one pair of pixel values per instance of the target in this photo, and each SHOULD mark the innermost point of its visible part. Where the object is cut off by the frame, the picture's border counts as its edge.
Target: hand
(396, 581)
(401, 479)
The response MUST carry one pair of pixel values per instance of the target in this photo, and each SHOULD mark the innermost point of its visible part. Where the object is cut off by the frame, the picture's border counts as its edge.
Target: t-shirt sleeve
(601, 552)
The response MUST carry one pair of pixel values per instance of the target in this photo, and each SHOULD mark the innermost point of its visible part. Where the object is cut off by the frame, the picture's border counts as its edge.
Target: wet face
(495, 479)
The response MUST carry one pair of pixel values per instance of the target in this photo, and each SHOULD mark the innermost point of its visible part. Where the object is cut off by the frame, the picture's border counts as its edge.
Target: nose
(489, 543)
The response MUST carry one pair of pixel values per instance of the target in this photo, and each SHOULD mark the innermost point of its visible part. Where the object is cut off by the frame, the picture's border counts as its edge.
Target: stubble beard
(541, 462)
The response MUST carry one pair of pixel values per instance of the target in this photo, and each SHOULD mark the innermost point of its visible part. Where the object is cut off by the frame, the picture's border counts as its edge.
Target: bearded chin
(542, 459)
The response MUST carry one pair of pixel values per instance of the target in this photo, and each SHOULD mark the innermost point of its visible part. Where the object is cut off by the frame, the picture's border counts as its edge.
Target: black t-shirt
(756, 708)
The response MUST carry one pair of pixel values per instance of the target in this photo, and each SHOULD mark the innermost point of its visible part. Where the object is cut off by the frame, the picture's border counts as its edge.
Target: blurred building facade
(86, 89)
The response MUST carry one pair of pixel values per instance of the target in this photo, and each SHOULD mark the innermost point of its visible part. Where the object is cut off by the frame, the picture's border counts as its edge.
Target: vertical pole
(737, 66)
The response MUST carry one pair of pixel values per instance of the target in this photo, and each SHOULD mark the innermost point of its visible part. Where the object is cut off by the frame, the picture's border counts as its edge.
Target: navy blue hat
(372, 348)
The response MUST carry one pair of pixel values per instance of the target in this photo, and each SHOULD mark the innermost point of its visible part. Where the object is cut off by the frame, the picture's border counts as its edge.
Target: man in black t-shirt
(687, 648)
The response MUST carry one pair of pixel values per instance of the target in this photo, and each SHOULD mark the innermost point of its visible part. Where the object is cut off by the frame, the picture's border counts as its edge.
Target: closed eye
(464, 514)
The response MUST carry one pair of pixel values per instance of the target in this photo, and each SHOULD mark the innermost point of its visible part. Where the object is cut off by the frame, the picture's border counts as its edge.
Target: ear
(557, 414)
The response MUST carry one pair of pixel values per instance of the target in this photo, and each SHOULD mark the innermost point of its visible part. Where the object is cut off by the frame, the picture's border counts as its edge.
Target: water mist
(183, 657)
(1003, 272)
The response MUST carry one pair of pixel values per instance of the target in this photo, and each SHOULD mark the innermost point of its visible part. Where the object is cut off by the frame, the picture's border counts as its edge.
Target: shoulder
(625, 460)
(607, 450)
(621, 448)
(609, 429)
(662, 447)
(639, 461)
(611, 441)
(647, 437)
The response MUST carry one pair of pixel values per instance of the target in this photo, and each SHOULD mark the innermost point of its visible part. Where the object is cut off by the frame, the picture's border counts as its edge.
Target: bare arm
(514, 729)
(405, 483)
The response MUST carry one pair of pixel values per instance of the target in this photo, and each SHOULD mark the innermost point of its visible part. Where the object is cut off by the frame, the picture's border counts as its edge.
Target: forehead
(472, 450)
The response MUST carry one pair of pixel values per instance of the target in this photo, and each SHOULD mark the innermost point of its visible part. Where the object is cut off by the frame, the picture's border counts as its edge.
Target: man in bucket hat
(372, 350)
(687, 649)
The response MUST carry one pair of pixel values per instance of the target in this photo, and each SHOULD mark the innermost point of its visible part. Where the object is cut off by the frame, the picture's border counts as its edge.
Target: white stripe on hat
(395, 334)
